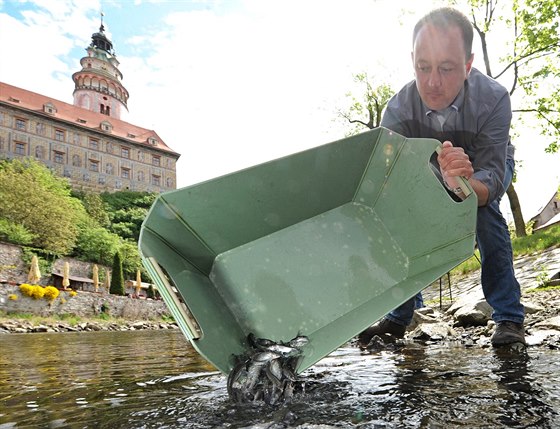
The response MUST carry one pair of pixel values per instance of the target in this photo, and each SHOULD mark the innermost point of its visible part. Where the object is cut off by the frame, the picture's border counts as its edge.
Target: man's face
(440, 65)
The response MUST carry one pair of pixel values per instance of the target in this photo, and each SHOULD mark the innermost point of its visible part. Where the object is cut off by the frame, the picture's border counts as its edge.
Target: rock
(474, 313)
(532, 308)
(432, 331)
(552, 323)
(537, 338)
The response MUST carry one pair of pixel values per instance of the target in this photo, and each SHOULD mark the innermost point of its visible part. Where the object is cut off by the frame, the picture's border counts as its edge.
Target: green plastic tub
(321, 243)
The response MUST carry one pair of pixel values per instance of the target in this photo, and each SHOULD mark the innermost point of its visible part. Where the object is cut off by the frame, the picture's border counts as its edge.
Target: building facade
(87, 142)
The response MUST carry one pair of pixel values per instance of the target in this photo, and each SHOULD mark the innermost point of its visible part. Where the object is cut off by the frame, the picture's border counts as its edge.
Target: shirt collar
(454, 105)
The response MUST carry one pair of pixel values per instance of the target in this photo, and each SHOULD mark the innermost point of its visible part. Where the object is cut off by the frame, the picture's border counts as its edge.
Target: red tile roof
(34, 102)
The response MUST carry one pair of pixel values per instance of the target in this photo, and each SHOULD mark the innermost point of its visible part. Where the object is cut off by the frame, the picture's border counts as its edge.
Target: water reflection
(524, 399)
(155, 379)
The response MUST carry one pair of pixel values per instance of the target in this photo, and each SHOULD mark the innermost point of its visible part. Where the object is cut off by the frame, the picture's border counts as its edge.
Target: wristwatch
(456, 190)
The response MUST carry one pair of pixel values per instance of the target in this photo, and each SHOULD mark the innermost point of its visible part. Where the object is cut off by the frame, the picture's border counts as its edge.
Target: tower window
(125, 152)
(94, 144)
(156, 160)
(156, 180)
(125, 173)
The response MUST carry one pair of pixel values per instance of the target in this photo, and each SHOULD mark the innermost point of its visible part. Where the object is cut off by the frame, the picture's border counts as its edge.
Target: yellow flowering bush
(26, 289)
(51, 293)
(38, 292)
(13, 297)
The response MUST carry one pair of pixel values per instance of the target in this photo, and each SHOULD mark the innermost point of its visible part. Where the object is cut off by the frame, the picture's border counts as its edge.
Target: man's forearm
(480, 190)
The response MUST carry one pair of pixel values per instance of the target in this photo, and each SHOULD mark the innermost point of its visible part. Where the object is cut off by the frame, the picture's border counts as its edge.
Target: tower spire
(98, 85)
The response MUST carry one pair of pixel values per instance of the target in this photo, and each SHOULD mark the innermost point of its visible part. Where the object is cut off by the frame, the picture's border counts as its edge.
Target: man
(471, 114)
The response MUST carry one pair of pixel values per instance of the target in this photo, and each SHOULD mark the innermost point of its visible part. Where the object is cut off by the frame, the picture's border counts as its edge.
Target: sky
(234, 83)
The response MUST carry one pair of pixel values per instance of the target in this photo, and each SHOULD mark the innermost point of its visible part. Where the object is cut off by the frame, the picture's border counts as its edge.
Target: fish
(267, 371)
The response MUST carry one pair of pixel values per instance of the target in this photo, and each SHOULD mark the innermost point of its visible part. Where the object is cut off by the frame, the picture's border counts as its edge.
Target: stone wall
(82, 304)
(13, 271)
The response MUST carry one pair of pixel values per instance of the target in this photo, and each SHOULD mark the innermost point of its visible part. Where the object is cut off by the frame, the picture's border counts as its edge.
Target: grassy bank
(534, 243)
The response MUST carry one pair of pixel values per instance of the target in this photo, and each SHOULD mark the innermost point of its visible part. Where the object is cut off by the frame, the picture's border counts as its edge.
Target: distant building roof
(74, 278)
(33, 102)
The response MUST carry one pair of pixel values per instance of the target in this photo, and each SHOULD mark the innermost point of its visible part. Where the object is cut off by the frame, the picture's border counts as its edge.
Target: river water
(155, 379)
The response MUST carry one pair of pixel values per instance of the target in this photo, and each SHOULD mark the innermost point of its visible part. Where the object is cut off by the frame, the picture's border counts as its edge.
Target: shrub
(15, 233)
(51, 293)
(117, 279)
(26, 289)
(38, 292)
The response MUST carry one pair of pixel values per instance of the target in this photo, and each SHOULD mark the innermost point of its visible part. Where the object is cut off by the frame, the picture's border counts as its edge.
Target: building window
(67, 173)
(94, 144)
(125, 173)
(125, 152)
(93, 165)
(101, 180)
(39, 152)
(40, 128)
(156, 180)
(21, 124)
(156, 160)
(59, 157)
(59, 135)
(19, 148)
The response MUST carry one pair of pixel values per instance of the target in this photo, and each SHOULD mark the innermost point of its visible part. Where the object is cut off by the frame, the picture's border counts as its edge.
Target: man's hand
(453, 162)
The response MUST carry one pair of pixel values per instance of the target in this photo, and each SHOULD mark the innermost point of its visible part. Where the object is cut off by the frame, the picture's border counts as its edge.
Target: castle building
(87, 141)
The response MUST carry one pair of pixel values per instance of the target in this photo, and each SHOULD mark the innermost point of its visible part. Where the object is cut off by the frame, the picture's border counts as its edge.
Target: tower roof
(100, 41)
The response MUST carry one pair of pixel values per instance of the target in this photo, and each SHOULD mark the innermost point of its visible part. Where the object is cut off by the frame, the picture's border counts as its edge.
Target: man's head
(441, 56)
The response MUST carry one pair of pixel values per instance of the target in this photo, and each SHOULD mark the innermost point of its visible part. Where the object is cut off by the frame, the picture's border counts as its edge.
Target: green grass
(534, 243)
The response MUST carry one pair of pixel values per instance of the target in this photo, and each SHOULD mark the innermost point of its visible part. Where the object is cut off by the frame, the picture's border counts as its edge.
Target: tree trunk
(516, 211)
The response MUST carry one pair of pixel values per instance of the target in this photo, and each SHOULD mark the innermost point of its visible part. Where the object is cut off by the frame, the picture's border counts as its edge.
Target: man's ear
(468, 64)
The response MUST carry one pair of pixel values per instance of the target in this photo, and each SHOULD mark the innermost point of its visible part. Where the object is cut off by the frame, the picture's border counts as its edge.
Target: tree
(127, 210)
(117, 279)
(367, 110)
(40, 202)
(96, 244)
(96, 208)
(530, 66)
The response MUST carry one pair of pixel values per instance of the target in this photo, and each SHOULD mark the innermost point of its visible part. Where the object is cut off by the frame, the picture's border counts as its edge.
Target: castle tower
(98, 85)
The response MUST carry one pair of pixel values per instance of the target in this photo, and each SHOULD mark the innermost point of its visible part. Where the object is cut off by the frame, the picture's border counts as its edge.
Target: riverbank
(28, 323)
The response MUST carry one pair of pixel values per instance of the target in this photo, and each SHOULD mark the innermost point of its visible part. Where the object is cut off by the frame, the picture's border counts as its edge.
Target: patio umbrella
(66, 275)
(95, 270)
(138, 282)
(34, 274)
(107, 282)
